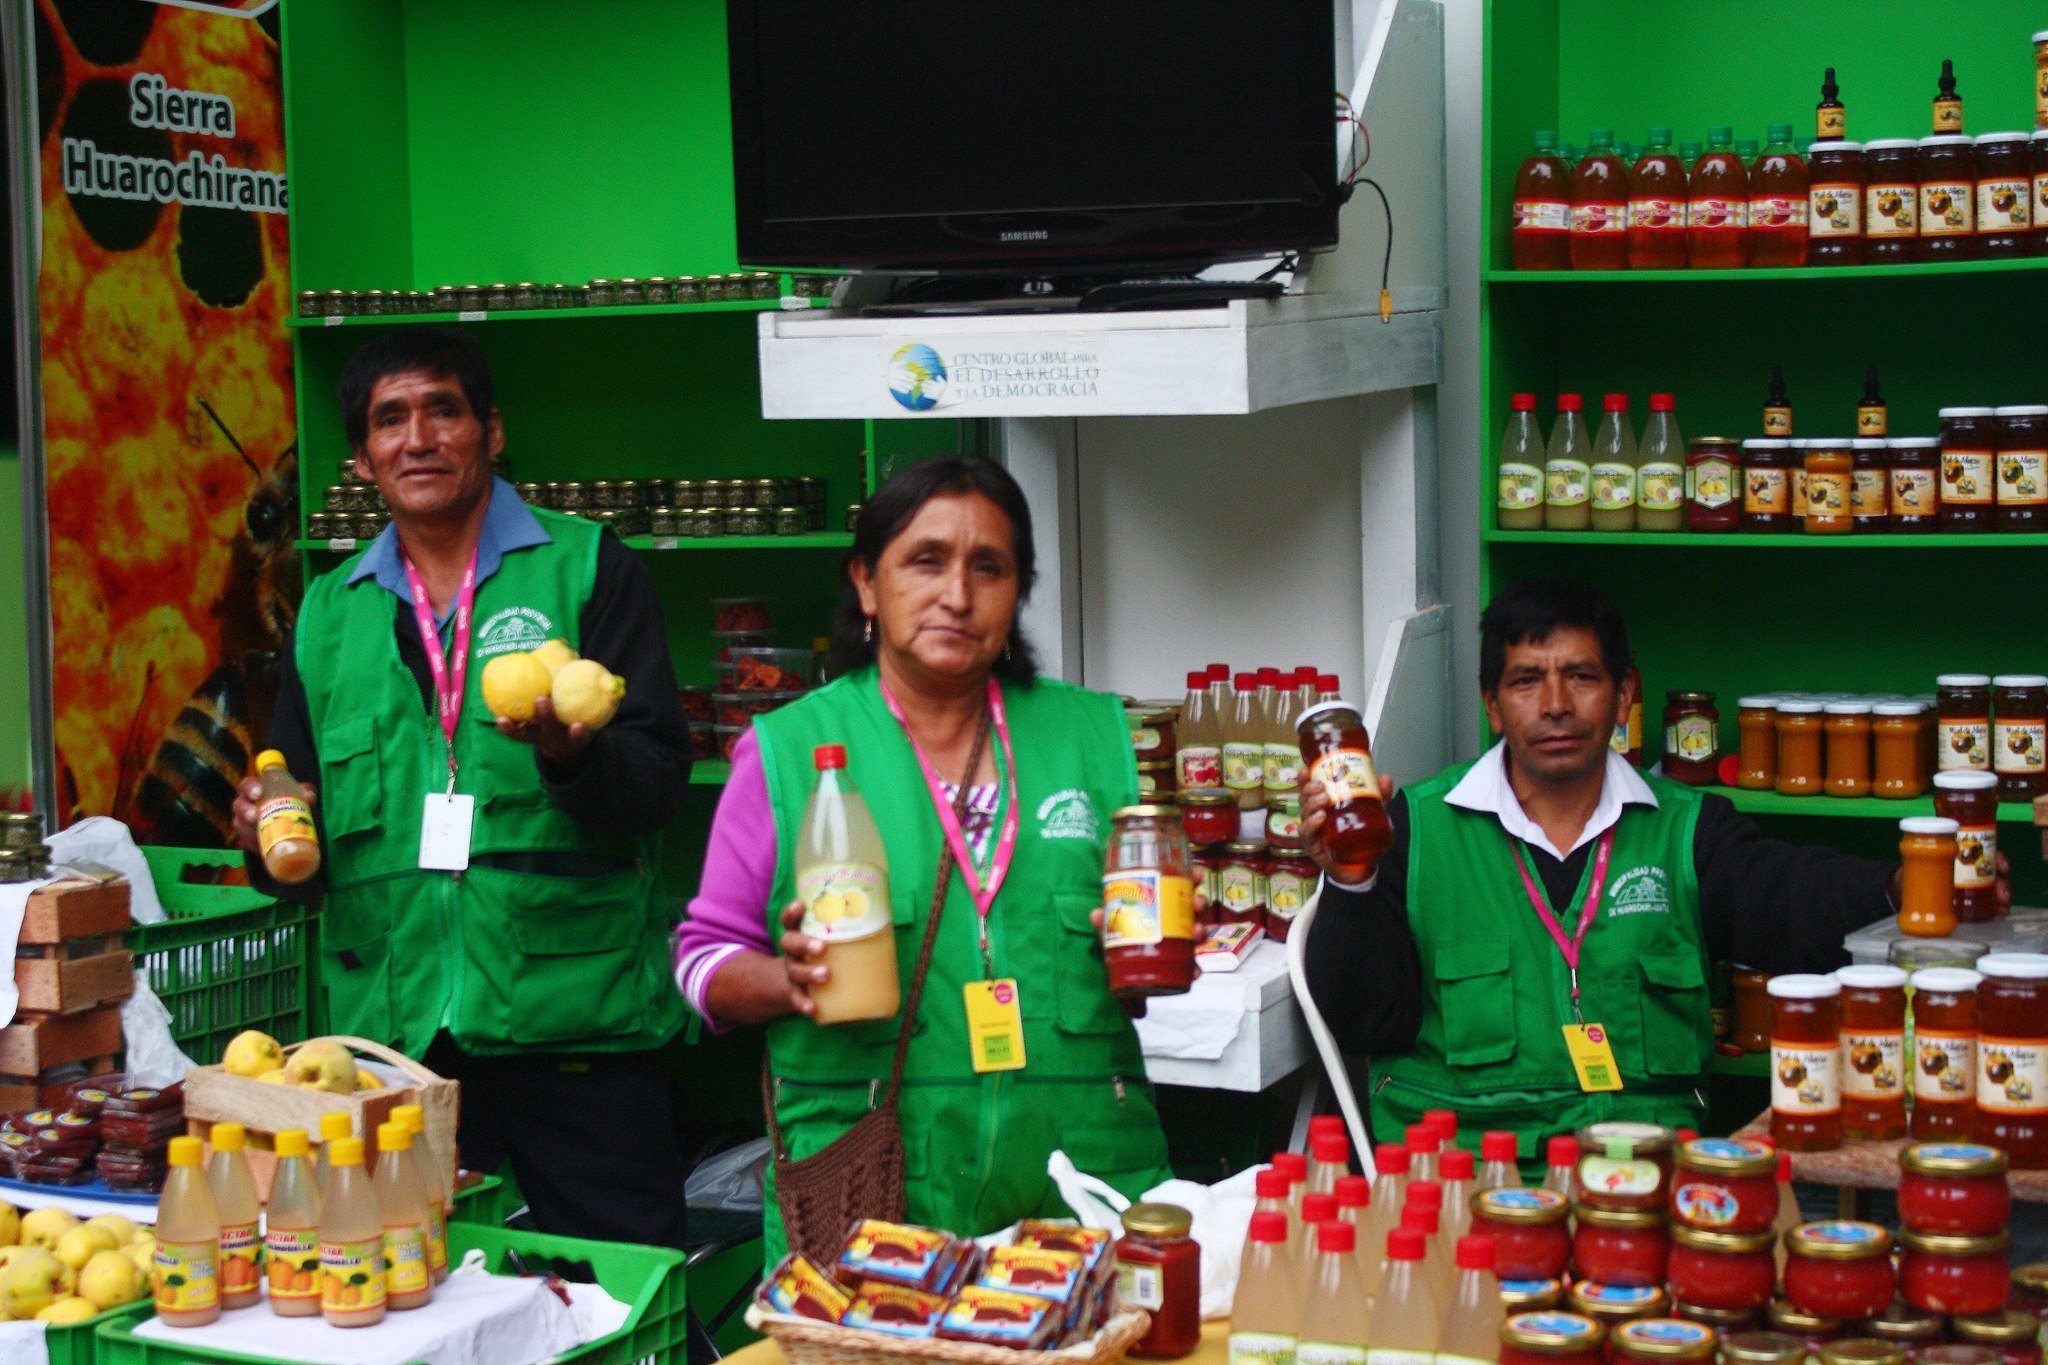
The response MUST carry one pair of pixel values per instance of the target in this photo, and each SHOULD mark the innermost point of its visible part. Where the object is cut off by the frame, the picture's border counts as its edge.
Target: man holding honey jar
(1534, 950)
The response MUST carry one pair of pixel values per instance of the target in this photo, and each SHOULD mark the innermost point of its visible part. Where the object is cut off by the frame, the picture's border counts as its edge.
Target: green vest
(511, 961)
(1497, 992)
(975, 1146)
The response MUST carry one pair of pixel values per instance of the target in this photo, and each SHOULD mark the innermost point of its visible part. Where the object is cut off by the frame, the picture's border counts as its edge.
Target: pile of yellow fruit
(318, 1065)
(53, 1268)
(583, 691)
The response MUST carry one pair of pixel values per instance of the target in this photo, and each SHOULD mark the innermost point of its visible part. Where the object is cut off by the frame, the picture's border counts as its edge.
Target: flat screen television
(1031, 136)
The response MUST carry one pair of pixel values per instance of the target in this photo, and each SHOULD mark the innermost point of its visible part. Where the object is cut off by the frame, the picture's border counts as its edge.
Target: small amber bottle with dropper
(1948, 105)
(1830, 119)
(1872, 418)
(1777, 408)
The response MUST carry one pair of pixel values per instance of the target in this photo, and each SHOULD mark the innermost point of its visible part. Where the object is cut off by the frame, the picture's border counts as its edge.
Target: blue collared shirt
(509, 524)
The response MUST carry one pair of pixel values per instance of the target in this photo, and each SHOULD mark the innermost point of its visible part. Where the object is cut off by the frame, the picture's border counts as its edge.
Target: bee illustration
(1866, 1057)
(1889, 203)
(1791, 1073)
(1939, 202)
(1962, 741)
(1997, 1068)
(1933, 1060)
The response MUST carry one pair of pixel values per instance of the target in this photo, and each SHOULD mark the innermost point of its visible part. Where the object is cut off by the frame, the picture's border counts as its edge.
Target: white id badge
(444, 831)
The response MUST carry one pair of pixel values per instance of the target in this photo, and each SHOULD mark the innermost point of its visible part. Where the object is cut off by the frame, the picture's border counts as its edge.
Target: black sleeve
(631, 780)
(291, 734)
(1776, 906)
(1363, 969)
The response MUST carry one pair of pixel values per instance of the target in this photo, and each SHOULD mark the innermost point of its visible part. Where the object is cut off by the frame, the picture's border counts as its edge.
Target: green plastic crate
(226, 958)
(649, 1280)
(489, 1202)
(78, 1342)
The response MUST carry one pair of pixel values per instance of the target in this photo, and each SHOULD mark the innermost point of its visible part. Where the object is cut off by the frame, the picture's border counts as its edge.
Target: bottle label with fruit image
(1873, 1065)
(2022, 478)
(1519, 487)
(1542, 215)
(1718, 215)
(2021, 746)
(1244, 766)
(1944, 1066)
(1599, 218)
(1777, 213)
(1201, 766)
(2002, 205)
(352, 1275)
(1891, 210)
(1614, 487)
(1837, 210)
(241, 1251)
(843, 901)
(185, 1276)
(294, 1255)
(281, 818)
(1144, 906)
(1660, 487)
(1692, 738)
(1567, 480)
(1711, 483)
(1656, 215)
(1948, 208)
(1282, 767)
(1968, 476)
(405, 1259)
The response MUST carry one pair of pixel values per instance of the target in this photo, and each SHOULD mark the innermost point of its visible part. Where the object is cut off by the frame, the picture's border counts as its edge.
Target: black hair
(440, 351)
(1528, 612)
(891, 508)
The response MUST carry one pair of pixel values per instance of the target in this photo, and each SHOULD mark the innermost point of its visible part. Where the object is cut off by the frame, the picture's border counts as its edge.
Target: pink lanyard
(1570, 947)
(448, 678)
(1006, 838)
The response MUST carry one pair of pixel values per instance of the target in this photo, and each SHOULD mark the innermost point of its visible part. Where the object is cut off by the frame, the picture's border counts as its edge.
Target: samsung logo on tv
(1036, 235)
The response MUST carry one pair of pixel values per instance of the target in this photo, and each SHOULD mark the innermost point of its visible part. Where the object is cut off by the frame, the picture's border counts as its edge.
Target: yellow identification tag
(1592, 1057)
(995, 1026)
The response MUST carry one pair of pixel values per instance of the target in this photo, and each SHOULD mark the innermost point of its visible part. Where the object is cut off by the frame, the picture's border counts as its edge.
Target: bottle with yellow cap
(240, 1212)
(184, 1276)
(291, 1230)
(352, 1279)
(284, 822)
(439, 1176)
(333, 1124)
(402, 1201)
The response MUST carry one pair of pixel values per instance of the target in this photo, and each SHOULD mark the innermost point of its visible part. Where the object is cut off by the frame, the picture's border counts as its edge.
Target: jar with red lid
(1611, 1305)
(1944, 1054)
(2013, 1333)
(1549, 1337)
(1806, 1063)
(1530, 1238)
(1159, 1269)
(1969, 476)
(1734, 1271)
(1954, 1188)
(1692, 738)
(1624, 1167)
(1725, 1185)
(1811, 1330)
(1620, 1248)
(1208, 816)
(1957, 1276)
(1241, 883)
(1839, 1269)
(1148, 899)
(1874, 1070)
(1970, 799)
(2012, 1057)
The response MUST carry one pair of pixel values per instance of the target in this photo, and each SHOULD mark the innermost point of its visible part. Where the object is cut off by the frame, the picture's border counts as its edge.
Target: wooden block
(65, 986)
(34, 1043)
(75, 909)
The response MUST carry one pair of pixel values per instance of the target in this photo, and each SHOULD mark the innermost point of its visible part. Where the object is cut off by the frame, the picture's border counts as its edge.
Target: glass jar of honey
(1916, 483)
(1847, 726)
(1750, 1027)
(1969, 478)
(1757, 721)
(1835, 196)
(1891, 200)
(1830, 472)
(1948, 198)
(1944, 1054)
(1801, 770)
(1767, 484)
(1971, 800)
(2005, 191)
(1806, 1063)
(1895, 730)
(1962, 708)
(2023, 465)
(1874, 1068)
(2012, 1059)
(2019, 735)
(1870, 486)
(1927, 854)
(1692, 738)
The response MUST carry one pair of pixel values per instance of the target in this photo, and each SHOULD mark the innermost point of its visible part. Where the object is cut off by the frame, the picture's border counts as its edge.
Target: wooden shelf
(785, 304)
(821, 540)
(1875, 1166)
(2025, 265)
(1737, 540)
(1854, 807)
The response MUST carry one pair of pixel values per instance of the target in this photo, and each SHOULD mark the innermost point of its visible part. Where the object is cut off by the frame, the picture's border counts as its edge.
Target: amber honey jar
(1847, 727)
(1806, 1062)
(1801, 769)
(1971, 800)
(1895, 749)
(1757, 721)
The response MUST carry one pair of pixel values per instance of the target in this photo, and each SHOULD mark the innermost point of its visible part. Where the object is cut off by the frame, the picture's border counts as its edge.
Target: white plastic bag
(103, 839)
(153, 1059)
(1222, 1215)
(731, 1181)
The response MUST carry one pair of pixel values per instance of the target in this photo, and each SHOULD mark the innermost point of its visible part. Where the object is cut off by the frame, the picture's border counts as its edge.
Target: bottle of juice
(402, 1203)
(1948, 105)
(1473, 1316)
(1543, 209)
(1498, 1169)
(1354, 1206)
(1405, 1322)
(1660, 469)
(440, 1178)
(1518, 497)
(1265, 1316)
(1423, 1148)
(1305, 697)
(185, 1276)
(1778, 203)
(241, 1216)
(1614, 468)
(1777, 407)
(1334, 1316)
(1390, 1164)
(291, 1230)
(1329, 1160)
(1872, 418)
(1600, 207)
(1657, 195)
(1455, 1172)
(1316, 1210)
(1717, 222)
(353, 1284)
(1270, 1189)
(333, 1124)
(1244, 745)
(1199, 757)
(284, 822)
(1425, 1214)
(1561, 1161)
(1830, 119)
(1283, 750)
(842, 874)
(1746, 152)
(1688, 154)
(1568, 469)
(1294, 1166)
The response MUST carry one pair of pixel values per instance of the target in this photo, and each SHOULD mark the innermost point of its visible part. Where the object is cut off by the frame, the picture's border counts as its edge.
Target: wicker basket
(806, 1341)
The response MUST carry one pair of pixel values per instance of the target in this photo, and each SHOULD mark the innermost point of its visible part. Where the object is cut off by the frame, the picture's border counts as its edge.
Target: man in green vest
(1534, 950)
(490, 895)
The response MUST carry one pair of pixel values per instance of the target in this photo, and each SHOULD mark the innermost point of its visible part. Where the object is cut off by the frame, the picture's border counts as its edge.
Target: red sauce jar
(1953, 1188)
(1148, 899)
(1692, 738)
(1241, 883)
(1159, 1269)
(1291, 878)
(1530, 1239)
(1611, 1305)
(1661, 1339)
(1550, 1338)
(1725, 1185)
(1624, 1167)
(1621, 1248)
(2013, 1333)
(1208, 816)
(1734, 1271)
(1839, 1269)
(1959, 1276)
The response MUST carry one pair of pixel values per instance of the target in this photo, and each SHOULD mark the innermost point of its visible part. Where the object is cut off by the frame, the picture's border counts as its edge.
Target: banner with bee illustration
(169, 425)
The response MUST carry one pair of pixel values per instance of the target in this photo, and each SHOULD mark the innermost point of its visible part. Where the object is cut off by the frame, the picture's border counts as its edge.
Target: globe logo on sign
(917, 377)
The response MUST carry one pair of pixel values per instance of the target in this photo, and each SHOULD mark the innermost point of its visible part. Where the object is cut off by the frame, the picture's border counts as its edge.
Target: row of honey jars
(1799, 745)
(1994, 468)
(1822, 486)
(1996, 724)
(1946, 197)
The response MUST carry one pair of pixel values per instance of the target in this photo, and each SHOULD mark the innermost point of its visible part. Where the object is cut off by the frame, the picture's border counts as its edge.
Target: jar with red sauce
(1811, 1330)
(1620, 1248)
(1241, 883)
(1806, 1063)
(2012, 1057)
(1958, 1276)
(1208, 816)
(1839, 1269)
(1526, 1296)
(1611, 1305)
(1733, 1271)
(2029, 1291)
(1954, 1188)
(1148, 899)
(1549, 1337)
(1291, 878)
(1725, 1185)
(1874, 1071)
(1624, 1167)
(1530, 1239)
(2013, 1333)
(1159, 1269)
(1661, 1339)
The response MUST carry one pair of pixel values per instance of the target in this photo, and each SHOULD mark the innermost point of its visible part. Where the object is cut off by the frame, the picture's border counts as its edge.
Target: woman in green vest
(939, 673)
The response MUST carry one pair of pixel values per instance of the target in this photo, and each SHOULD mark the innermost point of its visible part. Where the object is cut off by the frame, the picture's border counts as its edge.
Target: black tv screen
(1006, 134)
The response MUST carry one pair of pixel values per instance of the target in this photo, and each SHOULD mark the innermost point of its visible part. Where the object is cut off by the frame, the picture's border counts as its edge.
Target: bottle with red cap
(1423, 1147)
(1271, 1188)
(1568, 468)
(1425, 1211)
(1561, 1156)
(1354, 1206)
(1518, 476)
(1614, 467)
(1295, 1167)
(1455, 1172)
(1329, 1156)
(1334, 1309)
(1472, 1318)
(1444, 1123)
(1660, 469)
(1265, 1317)
(1327, 689)
(1498, 1170)
(1244, 745)
(1406, 1321)
(842, 877)
(1316, 1210)
(1389, 1192)
(1199, 733)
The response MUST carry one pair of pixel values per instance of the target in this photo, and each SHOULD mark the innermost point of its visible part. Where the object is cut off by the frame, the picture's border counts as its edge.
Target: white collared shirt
(1485, 788)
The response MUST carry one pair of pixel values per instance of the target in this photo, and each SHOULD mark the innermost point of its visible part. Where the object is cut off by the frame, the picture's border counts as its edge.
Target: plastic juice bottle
(241, 1216)
(1872, 417)
(1199, 758)
(1294, 1166)
(1568, 469)
(402, 1203)
(1329, 1160)
(1423, 1146)
(353, 1284)
(1426, 1215)
(1717, 223)
(1657, 195)
(440, 1178)
(1518, 475)
(1391, 1164)
(1543, 209)
(1405, 1326)
(842, 874)
(1660, 469)
(1244, 745)
(1498, 1169)
(291, 1230)
(1265, 1316)
(1354, 1206)
(1444, 1123)
(1948, 105)
(1746, 151)
(1777, 407)
(185, 1276)
(1778, 203)
(1271, 1188)
(1600, 207)
(1304, 697)
(1688, 153)
(1316, 1210)
(1561, 1156)
(1830, 119)
(1455, 1172)
(1614, 468)
(333, 1125)
(284, 822)
(1335, 1319)
(1472, 1318)
(1283, 750)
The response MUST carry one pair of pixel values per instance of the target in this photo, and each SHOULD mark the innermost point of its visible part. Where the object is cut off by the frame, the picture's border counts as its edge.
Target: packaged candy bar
(90, 1095)
(894, 1310)
(1058, 1235)
(146, 1100)
(996, 1317)
(1055, 1275)
(28, 1120)
(56, 1142)
(898, 1254)
(802, 1290)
